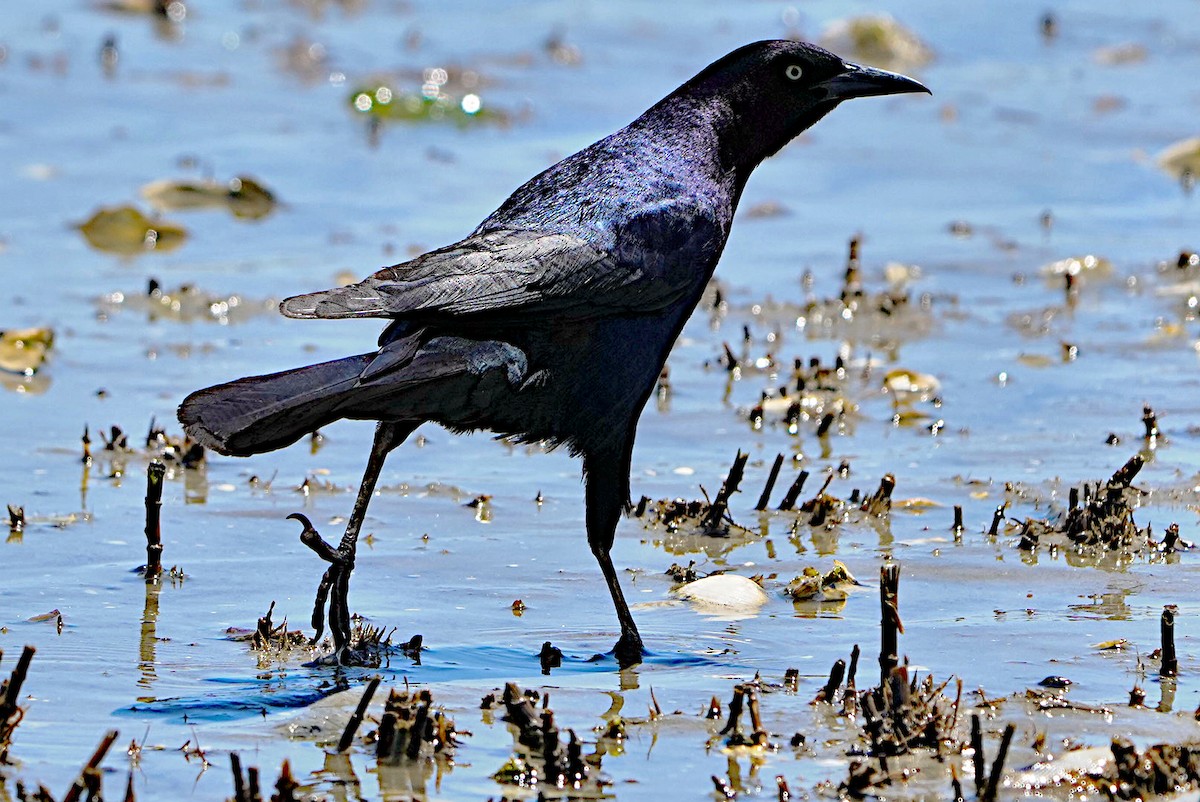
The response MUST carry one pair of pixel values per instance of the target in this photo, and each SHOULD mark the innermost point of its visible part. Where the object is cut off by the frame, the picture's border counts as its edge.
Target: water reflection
(36, 384)
(338, 777)
(1112, 605)
(195, 484)
(824, 539)
(750, 783)
(1166, 701)
(147, 643)
(1002, 445)
(408, 779)
(681, 542)
(826, 608)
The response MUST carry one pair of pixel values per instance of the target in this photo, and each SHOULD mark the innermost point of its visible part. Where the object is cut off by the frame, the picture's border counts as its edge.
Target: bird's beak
(859, 81)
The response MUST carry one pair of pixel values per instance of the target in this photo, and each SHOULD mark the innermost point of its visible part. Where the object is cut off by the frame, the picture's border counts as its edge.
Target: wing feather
(509, 273)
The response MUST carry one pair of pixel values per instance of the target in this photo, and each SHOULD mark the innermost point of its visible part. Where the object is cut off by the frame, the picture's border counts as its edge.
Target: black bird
(551, 322)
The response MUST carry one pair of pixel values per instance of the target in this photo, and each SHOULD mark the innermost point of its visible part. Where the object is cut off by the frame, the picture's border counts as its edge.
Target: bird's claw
(333, 588)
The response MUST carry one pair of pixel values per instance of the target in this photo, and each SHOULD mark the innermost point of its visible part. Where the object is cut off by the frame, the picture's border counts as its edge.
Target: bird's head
(763, 95)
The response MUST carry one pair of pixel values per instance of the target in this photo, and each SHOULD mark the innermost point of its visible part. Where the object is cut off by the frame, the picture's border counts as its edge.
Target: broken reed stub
(155, 473)
(86, 440)
(716, 512)
(735, 710)
(10, 713)
(356, 719)
(850, 697)
(1169, 665)
(993, 783)
(765, 497)
(793, 493)
(889, 619)
(879, 503)
(246, 788)
(550, 657)
(826, 423)
(977, 758)
(836, 675)
(90, 770)
(997, 519)
(1127, 472)
(1150, 421)
(852, 672)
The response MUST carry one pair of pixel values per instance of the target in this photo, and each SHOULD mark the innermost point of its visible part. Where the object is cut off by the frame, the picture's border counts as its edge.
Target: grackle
(551, 322)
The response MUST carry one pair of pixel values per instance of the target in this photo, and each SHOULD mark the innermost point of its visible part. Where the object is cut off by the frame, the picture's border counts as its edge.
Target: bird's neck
(701, 134)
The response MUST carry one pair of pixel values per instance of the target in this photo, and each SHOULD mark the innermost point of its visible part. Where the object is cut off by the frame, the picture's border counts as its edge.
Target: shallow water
(1017, 126)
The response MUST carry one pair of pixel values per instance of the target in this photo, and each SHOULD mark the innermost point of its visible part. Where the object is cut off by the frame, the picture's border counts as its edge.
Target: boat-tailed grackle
(551, 322)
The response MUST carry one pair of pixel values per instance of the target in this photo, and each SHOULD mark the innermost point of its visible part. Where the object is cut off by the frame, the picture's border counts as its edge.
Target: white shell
(1066, 769)
(726, 591)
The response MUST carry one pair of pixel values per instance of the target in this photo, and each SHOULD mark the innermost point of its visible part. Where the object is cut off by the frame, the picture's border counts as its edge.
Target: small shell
(23, 351)
(813, 586)
(243, 196)
(126, 231)
(878, 39)
(1181, 158)
(918, 504)
(727, 591)
(911, 385)
(1066, 769)
(1111, 645)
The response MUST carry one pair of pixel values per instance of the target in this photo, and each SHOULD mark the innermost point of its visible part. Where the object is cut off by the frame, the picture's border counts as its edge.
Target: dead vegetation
(272, 643)
(706, 525)
(270, 640)
(545, 758)
(1098, 525)
(808, 396)
(11, 713)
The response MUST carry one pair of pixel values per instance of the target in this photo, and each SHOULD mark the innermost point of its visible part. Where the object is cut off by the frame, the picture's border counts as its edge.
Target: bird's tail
(263, 413)
(451, 380)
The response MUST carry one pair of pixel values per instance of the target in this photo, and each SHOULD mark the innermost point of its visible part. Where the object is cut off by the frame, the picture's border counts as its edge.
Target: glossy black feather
(589, 270)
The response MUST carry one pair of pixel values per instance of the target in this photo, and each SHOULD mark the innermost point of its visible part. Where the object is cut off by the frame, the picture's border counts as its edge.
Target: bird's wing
(502, 273)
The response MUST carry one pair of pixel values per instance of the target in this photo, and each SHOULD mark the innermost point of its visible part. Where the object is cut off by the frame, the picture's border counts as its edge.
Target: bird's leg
(335, 584)
(607, 495)
(628, 649)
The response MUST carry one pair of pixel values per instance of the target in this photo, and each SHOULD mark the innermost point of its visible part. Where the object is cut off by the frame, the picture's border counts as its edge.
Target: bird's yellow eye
(794, 72)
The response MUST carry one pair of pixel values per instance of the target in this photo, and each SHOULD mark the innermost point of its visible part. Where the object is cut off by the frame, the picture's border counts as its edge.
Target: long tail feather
(263, 413)
(451, 380)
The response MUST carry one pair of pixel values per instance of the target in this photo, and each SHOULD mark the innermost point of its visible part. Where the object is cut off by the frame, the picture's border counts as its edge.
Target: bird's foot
(360, 658)
(333, 589)
(629, 650)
